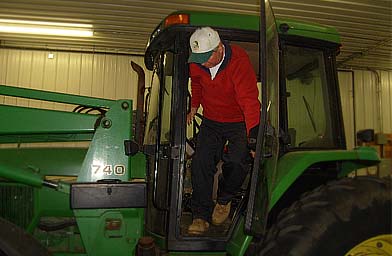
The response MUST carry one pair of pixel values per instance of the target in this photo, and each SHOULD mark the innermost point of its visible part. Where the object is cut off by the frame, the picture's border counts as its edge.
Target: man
(224, 84)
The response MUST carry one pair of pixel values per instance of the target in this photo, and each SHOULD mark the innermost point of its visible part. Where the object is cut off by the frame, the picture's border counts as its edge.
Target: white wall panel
(366, 101)
(386, 101)
(99, 75)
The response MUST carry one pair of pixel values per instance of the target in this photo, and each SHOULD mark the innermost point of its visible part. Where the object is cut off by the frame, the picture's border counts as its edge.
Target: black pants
(209, 151)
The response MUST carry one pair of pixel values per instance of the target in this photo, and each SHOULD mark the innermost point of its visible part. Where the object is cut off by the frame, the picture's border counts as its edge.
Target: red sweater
(233, 95)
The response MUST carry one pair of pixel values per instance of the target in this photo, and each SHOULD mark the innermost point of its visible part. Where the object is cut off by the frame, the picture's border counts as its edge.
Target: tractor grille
(16, 203)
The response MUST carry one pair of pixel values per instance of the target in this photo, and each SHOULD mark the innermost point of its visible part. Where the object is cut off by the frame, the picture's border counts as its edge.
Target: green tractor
(128, 191)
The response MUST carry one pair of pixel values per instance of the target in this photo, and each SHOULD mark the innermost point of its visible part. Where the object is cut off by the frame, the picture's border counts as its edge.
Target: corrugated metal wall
(385, 80)
(366, 101)
(366, 95)
(98, 75)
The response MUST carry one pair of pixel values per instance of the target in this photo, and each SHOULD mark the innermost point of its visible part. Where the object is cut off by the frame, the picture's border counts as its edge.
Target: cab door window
(309, 115)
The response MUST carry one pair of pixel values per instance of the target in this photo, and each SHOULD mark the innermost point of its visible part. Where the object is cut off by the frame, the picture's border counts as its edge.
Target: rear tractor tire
(346, 217)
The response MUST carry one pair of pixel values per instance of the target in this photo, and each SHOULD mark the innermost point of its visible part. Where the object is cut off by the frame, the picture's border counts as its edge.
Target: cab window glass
(309, 123)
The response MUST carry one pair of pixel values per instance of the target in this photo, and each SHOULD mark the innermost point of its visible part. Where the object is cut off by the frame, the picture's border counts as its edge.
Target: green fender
(293, 164)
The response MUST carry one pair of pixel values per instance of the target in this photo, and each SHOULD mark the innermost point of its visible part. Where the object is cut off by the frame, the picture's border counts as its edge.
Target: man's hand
(191, 115)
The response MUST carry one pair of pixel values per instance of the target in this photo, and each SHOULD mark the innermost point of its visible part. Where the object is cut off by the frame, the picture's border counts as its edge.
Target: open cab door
(264, 166)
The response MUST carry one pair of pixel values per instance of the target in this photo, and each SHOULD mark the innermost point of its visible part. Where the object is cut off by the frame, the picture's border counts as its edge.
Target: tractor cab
(300, 112)
(129, 193)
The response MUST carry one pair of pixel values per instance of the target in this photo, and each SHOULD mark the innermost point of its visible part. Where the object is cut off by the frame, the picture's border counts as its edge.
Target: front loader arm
(31, 178)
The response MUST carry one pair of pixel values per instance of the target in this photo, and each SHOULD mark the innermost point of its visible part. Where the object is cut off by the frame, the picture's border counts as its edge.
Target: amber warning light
(177, 19)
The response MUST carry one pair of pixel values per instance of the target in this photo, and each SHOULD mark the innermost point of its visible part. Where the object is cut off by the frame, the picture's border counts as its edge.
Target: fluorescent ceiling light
(45, 28)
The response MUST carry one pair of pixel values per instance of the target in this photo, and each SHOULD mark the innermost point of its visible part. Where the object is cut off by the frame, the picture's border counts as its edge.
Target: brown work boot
(198, 227)
(220, 214)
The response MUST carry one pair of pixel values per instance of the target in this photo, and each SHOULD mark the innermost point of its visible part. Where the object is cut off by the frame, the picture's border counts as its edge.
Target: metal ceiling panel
(123, 26)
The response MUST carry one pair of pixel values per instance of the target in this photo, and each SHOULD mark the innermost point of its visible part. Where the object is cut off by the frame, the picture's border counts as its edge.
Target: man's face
(215, 58)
